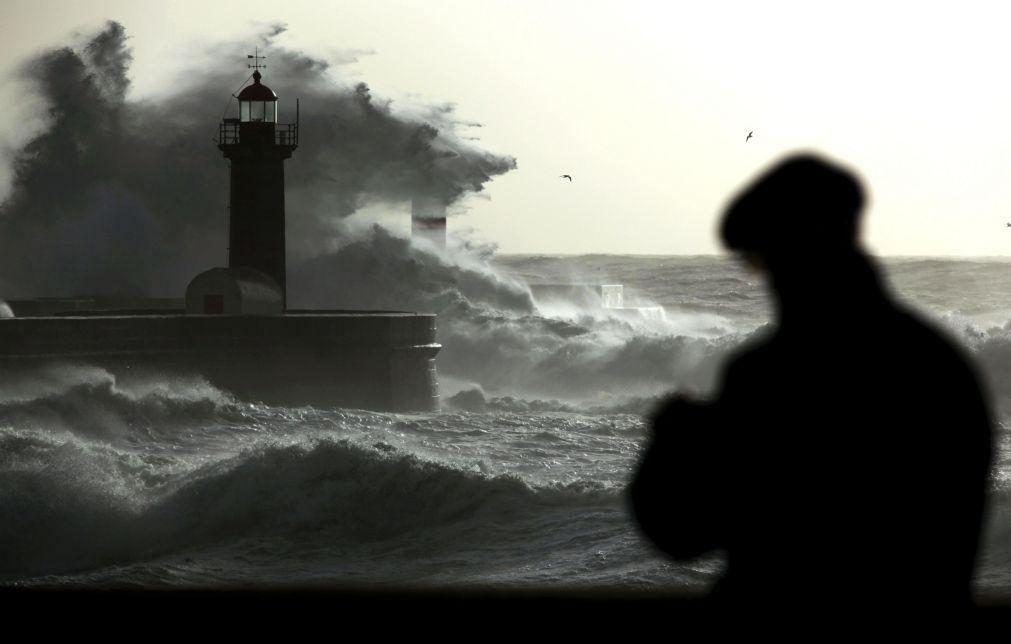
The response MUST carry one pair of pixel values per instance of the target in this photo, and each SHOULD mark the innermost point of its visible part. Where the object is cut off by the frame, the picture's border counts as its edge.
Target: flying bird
(566, 176)
(749, 135)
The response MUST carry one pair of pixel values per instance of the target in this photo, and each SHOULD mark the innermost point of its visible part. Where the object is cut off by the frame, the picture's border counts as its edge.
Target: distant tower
(256, 145)
(428, 219)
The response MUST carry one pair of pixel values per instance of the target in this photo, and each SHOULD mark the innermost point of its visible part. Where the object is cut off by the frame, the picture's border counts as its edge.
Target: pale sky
(645, 104)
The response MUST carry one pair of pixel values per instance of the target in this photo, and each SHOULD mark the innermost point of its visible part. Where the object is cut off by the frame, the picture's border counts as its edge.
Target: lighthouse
(256, 147)
(236, 330)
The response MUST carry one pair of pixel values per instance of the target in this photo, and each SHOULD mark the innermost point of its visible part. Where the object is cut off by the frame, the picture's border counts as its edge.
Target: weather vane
(256, 60)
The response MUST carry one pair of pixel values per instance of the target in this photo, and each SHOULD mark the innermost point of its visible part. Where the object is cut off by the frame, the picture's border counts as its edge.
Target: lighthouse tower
(256, 146)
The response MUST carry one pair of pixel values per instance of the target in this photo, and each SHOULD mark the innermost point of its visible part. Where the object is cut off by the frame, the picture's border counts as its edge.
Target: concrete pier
(382, 361)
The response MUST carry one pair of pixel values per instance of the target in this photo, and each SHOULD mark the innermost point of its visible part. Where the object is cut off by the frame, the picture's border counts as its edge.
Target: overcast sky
(646, 104)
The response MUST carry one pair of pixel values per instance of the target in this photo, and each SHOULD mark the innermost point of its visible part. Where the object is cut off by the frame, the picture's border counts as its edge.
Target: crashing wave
(74, 505)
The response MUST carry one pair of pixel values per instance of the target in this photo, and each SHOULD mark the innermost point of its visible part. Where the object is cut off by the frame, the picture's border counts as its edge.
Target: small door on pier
(214, 304)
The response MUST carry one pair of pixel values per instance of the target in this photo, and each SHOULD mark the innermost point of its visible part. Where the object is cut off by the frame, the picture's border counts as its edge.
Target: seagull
(749, 135)
(569, 177)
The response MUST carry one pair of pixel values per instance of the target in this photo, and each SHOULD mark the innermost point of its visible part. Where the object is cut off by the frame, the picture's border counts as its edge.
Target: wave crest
(74, 505)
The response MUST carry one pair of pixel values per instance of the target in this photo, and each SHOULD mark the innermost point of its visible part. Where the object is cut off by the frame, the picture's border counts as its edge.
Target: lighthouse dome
(257, 91)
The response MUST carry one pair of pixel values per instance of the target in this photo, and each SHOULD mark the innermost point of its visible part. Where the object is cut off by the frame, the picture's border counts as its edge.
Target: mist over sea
(150, 481)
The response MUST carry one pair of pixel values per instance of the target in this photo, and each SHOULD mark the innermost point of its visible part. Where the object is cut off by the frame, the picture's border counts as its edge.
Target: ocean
(146, 481)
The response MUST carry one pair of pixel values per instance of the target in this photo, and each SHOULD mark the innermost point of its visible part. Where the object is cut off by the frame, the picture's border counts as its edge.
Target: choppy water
(154, 482)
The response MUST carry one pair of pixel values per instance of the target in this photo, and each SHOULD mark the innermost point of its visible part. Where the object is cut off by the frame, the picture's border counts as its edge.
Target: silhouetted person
(844, 463)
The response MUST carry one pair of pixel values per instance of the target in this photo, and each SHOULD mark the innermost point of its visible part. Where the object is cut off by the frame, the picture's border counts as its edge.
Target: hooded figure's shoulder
(930, 345)
(755, 353)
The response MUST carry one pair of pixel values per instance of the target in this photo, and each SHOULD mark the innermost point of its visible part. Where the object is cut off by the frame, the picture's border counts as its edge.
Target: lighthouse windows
(258, 111)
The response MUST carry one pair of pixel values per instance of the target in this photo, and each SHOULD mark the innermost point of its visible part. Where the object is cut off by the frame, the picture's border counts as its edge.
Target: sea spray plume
(602, 361)
(356, 148)
(108, 61)
(493, 335)
(69, 218)
(360, 151)
(130, 196)
(381, 271)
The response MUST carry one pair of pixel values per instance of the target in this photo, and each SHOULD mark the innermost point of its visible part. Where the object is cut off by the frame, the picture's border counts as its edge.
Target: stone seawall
(380, 361)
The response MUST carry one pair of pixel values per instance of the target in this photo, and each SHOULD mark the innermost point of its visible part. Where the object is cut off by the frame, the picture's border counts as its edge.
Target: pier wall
(380, 361)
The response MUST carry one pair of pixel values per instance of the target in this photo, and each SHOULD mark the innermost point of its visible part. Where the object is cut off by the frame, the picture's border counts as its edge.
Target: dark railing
(284, 133)
(228, 132)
